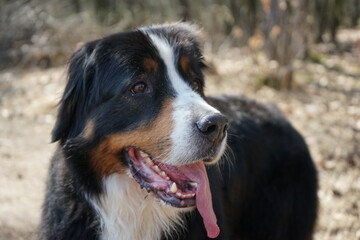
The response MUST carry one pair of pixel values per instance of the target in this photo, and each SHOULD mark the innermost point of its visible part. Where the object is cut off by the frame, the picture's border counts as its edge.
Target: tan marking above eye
(185, 64)
(154, 138)
(150, 65)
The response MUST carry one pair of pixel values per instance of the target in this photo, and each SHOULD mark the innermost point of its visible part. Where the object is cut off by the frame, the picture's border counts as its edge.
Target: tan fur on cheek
(105, 162)
(153, 138)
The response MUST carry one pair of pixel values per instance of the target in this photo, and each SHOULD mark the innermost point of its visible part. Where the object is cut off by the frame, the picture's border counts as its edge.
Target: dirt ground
(324, 106)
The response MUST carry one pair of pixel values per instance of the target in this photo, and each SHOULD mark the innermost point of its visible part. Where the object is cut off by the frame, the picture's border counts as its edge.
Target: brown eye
(196, 84)
(139, 87)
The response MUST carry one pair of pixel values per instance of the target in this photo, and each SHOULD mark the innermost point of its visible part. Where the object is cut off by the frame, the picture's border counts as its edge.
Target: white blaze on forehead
(188, 105)
(166, 52)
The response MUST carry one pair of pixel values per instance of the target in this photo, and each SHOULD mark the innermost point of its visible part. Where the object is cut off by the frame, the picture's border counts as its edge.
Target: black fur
(264, 189)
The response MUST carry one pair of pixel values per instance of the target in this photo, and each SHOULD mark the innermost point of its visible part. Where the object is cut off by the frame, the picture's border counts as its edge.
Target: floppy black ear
(74, 104)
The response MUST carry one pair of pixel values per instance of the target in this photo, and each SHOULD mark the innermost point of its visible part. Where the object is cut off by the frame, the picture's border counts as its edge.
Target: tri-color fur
(264, 188)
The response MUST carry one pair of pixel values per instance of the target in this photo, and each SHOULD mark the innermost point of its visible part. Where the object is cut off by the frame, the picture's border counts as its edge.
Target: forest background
(302, 55)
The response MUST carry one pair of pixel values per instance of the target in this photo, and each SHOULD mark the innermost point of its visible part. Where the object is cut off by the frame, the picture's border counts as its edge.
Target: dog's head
(134, 102)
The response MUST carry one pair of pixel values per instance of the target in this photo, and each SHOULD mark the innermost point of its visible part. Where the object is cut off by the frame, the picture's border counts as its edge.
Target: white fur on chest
(125, 213)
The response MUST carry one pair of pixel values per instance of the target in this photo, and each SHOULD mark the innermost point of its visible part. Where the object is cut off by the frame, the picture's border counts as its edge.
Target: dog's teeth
(163, 174)
(180, 195)
(167, 178)
(190, 195)
(142, 154)
(173, 188)
(156, 168)
(193, 184)
(149, 162)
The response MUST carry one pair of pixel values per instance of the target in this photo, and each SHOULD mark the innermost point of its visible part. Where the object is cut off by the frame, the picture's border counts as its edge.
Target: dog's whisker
(236, 136)
(229, 155)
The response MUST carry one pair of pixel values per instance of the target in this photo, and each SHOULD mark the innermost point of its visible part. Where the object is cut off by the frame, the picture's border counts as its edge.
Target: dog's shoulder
(64, 207)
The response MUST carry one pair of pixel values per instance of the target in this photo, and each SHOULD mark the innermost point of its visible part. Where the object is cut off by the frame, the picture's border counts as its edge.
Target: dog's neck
(126, 212)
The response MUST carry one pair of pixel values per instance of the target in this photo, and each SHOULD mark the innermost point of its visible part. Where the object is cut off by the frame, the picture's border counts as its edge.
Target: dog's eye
(196, 84)
(139, 87)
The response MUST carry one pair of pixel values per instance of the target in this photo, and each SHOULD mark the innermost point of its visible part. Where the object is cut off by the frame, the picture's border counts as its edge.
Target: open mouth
(167, 182)
(180, 186)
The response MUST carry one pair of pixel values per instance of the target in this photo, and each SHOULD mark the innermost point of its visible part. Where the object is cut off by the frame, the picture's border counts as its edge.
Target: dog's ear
(74, 104)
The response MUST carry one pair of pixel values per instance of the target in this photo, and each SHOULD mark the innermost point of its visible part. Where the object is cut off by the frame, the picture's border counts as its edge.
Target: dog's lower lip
(164, 181)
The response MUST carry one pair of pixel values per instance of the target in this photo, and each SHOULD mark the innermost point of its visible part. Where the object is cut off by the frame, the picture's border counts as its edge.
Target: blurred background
(302, 55)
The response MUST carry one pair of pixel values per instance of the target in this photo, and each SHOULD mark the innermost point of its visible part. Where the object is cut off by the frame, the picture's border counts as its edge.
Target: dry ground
(324, 106)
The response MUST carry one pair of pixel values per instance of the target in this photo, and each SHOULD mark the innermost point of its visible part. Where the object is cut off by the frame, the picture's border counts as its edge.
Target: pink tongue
(197, 173)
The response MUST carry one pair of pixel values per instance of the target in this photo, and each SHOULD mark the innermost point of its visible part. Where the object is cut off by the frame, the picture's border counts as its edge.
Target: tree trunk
(235, 8)
(299, 37)
(185, 10)
(77, 6)
(356, 13)
(320, 15)
(285, 37)
(252, 16)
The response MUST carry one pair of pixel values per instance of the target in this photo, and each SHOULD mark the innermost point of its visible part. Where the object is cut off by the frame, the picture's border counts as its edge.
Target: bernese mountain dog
(144, 154)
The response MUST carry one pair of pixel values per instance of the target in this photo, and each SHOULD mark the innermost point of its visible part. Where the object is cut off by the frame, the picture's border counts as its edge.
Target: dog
(141, 150)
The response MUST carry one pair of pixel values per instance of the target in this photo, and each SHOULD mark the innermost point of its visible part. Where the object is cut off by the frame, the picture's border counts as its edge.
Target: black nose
(213, 126)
